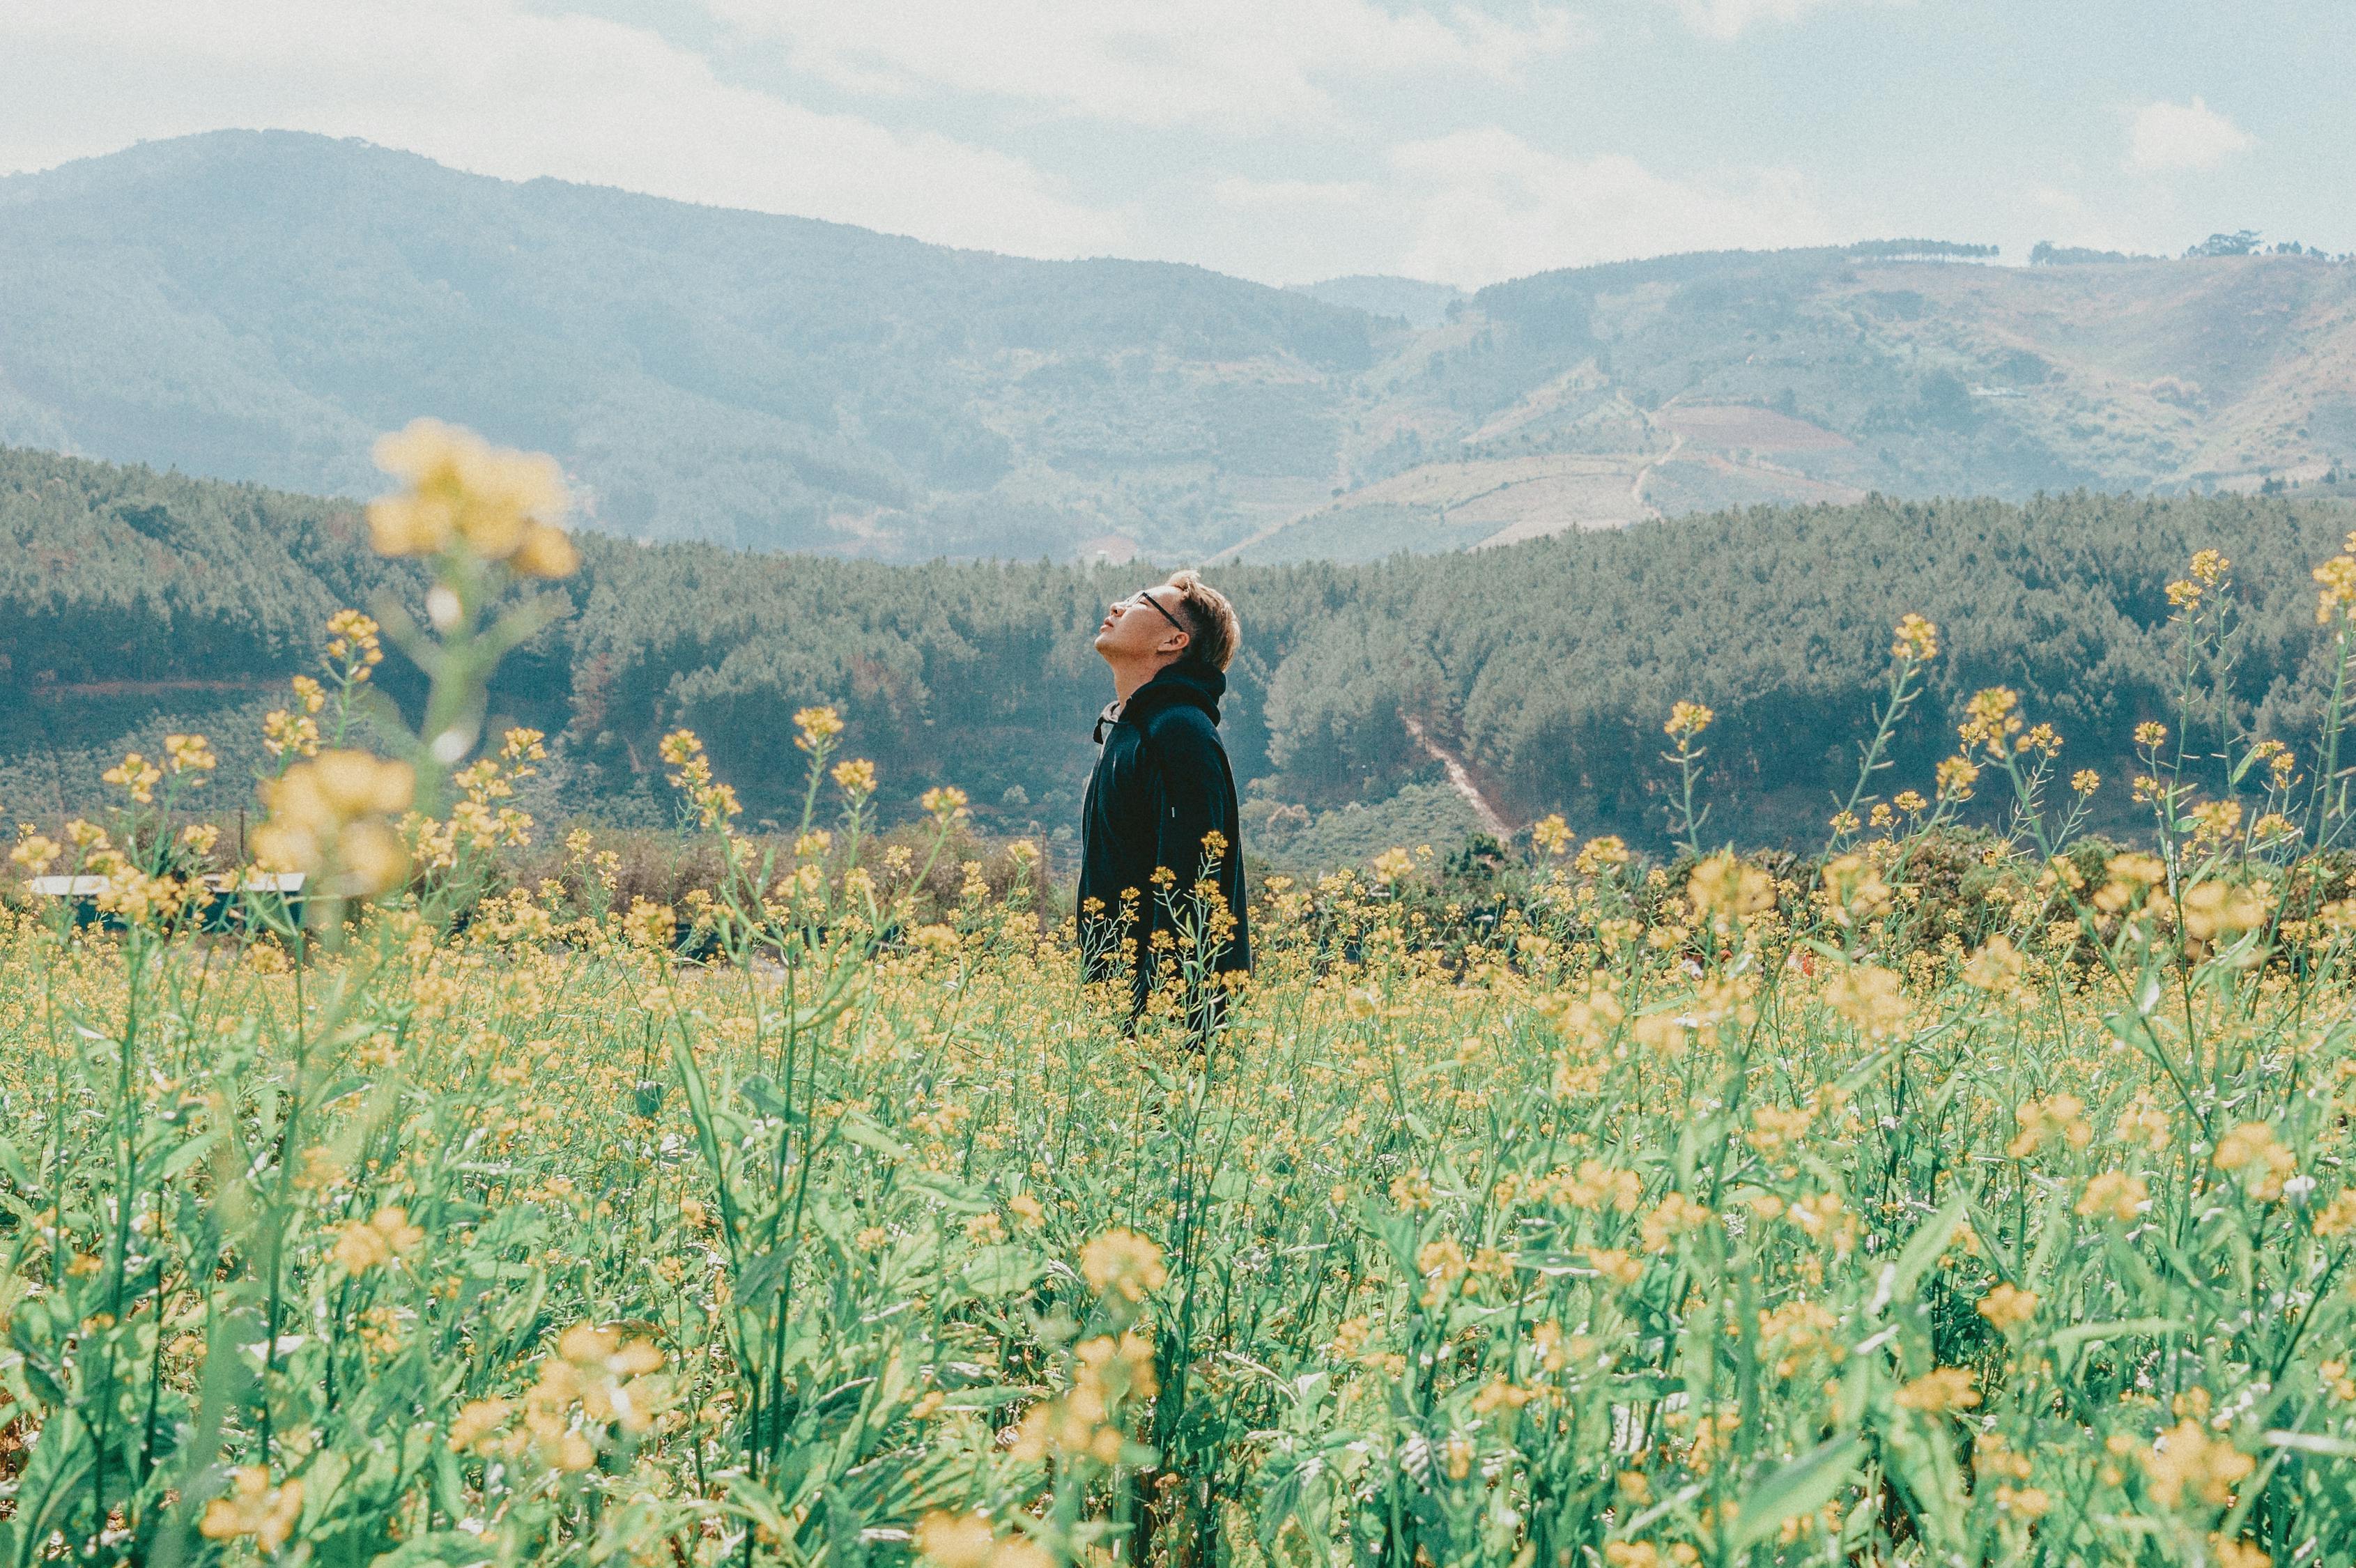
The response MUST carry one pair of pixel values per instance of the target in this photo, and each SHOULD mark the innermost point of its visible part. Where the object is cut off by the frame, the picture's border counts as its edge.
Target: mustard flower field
(1964, 1195)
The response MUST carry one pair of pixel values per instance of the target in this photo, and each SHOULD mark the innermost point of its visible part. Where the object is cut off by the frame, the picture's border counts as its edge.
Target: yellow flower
(1123, 1264)
(2085, 781)
(2238, 1553)
(1956, 777)
(35, 851)
(855, 777)
(2337, 579)
(1937, 1393)
(497, 503)
(650, 926)
(1392, 865)
(2042, 1120)
(955, 1541)
(1615, 1267)
(1869, 997)
(1857, 890)
(1916, 640)
(2186, 1458)
(476, 1421)
(330, 813)
(1995, 967)
(136, 776)
(1991, 717)
(254, 1507)
(1600, 854)
(2251, 1153)
(1674, 1216)
(2115, 1196)
(2337, 1217)
(2215, 910)
(818, 727)
(1726, 891)
(189, 754)
(1687, 720)
(946, 804)
(377, 1241)
(2008, 1307)
(1551, 833)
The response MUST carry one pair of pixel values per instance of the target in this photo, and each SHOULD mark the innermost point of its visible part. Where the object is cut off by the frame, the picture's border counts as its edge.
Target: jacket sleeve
(1189, 793)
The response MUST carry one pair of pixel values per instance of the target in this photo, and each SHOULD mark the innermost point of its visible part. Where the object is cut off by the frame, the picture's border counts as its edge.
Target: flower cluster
(461, 492)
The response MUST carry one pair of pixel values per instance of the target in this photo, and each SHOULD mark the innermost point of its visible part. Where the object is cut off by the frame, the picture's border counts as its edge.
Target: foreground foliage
(1955, 1197)
(1701, 1240)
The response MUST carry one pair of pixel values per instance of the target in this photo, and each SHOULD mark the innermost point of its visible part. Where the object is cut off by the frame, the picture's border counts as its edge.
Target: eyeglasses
(1145, 596)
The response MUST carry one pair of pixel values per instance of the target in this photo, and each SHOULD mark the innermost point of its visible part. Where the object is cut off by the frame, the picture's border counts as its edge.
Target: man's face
(1140, 628)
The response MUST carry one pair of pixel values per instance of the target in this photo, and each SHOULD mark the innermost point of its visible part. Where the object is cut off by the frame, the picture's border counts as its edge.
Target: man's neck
(1126, 680)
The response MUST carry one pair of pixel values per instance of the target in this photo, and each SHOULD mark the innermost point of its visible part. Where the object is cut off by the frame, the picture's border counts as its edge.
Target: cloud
(1483, 204)
(1283, 195)
(2165, 136)
(1230, 66)
(489, 86)
(1726, 20)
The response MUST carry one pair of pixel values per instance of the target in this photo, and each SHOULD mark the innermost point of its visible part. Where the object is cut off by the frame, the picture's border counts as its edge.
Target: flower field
(1960, 1197)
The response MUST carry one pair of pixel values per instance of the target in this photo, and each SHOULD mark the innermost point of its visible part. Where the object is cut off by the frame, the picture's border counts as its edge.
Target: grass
(1947, 1200)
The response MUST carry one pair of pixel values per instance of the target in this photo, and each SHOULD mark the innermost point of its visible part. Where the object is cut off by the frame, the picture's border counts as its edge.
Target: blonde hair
(1215, 630)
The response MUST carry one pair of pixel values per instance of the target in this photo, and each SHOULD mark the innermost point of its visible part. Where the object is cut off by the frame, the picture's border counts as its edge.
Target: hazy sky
(1285, 140)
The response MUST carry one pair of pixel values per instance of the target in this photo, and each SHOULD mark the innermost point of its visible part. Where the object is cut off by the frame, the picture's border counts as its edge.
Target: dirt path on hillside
(1636, 490)
(1459, 779)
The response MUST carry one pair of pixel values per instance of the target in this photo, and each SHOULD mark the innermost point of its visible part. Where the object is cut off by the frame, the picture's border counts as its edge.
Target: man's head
(1183, 620)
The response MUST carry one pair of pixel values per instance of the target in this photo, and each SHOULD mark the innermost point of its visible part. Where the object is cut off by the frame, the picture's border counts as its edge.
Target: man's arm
(1189, 793)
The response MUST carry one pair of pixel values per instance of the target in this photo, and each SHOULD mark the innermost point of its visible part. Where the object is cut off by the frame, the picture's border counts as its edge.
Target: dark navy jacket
(1161, 784)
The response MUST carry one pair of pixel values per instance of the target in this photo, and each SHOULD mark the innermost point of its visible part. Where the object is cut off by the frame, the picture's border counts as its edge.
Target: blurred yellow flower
(1937, 1393)
(372, 1243)
(461, 492)
(1123, 1264)
(2185, 1458)
(253, 1507)
(330, 814)
(2008, 1307)
(2113, 1196)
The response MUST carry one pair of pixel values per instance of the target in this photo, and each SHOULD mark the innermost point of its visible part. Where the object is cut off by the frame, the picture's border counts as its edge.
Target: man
(1161, 786)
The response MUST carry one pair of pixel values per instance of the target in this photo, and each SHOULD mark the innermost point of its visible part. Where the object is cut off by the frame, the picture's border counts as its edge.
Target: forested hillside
(132, 602)
(258, 305)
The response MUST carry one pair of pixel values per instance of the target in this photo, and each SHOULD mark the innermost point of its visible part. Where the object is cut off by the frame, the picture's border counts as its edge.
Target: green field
(1944, 1196)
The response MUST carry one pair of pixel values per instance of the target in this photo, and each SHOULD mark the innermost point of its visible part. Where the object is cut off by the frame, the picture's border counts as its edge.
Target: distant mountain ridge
(259, 305)
(1420, 304)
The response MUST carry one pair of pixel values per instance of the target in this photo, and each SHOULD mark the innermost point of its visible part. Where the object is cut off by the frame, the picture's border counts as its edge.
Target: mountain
(257, 306)
(1419, 304)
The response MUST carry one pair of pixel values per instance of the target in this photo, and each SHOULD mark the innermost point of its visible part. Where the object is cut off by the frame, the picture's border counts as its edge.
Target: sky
(1285, 140)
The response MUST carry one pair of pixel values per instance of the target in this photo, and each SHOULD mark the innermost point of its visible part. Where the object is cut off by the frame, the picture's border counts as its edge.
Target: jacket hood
(1179, 683)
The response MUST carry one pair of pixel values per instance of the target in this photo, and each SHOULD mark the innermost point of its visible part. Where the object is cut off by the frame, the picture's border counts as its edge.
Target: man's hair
(1205, 610)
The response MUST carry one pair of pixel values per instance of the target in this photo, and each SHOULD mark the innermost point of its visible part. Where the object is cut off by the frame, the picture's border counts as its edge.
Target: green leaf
(1924, 1248)
(1002, 1271)
(1803, 1485)
(862, 1130)
(2121, 1328)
